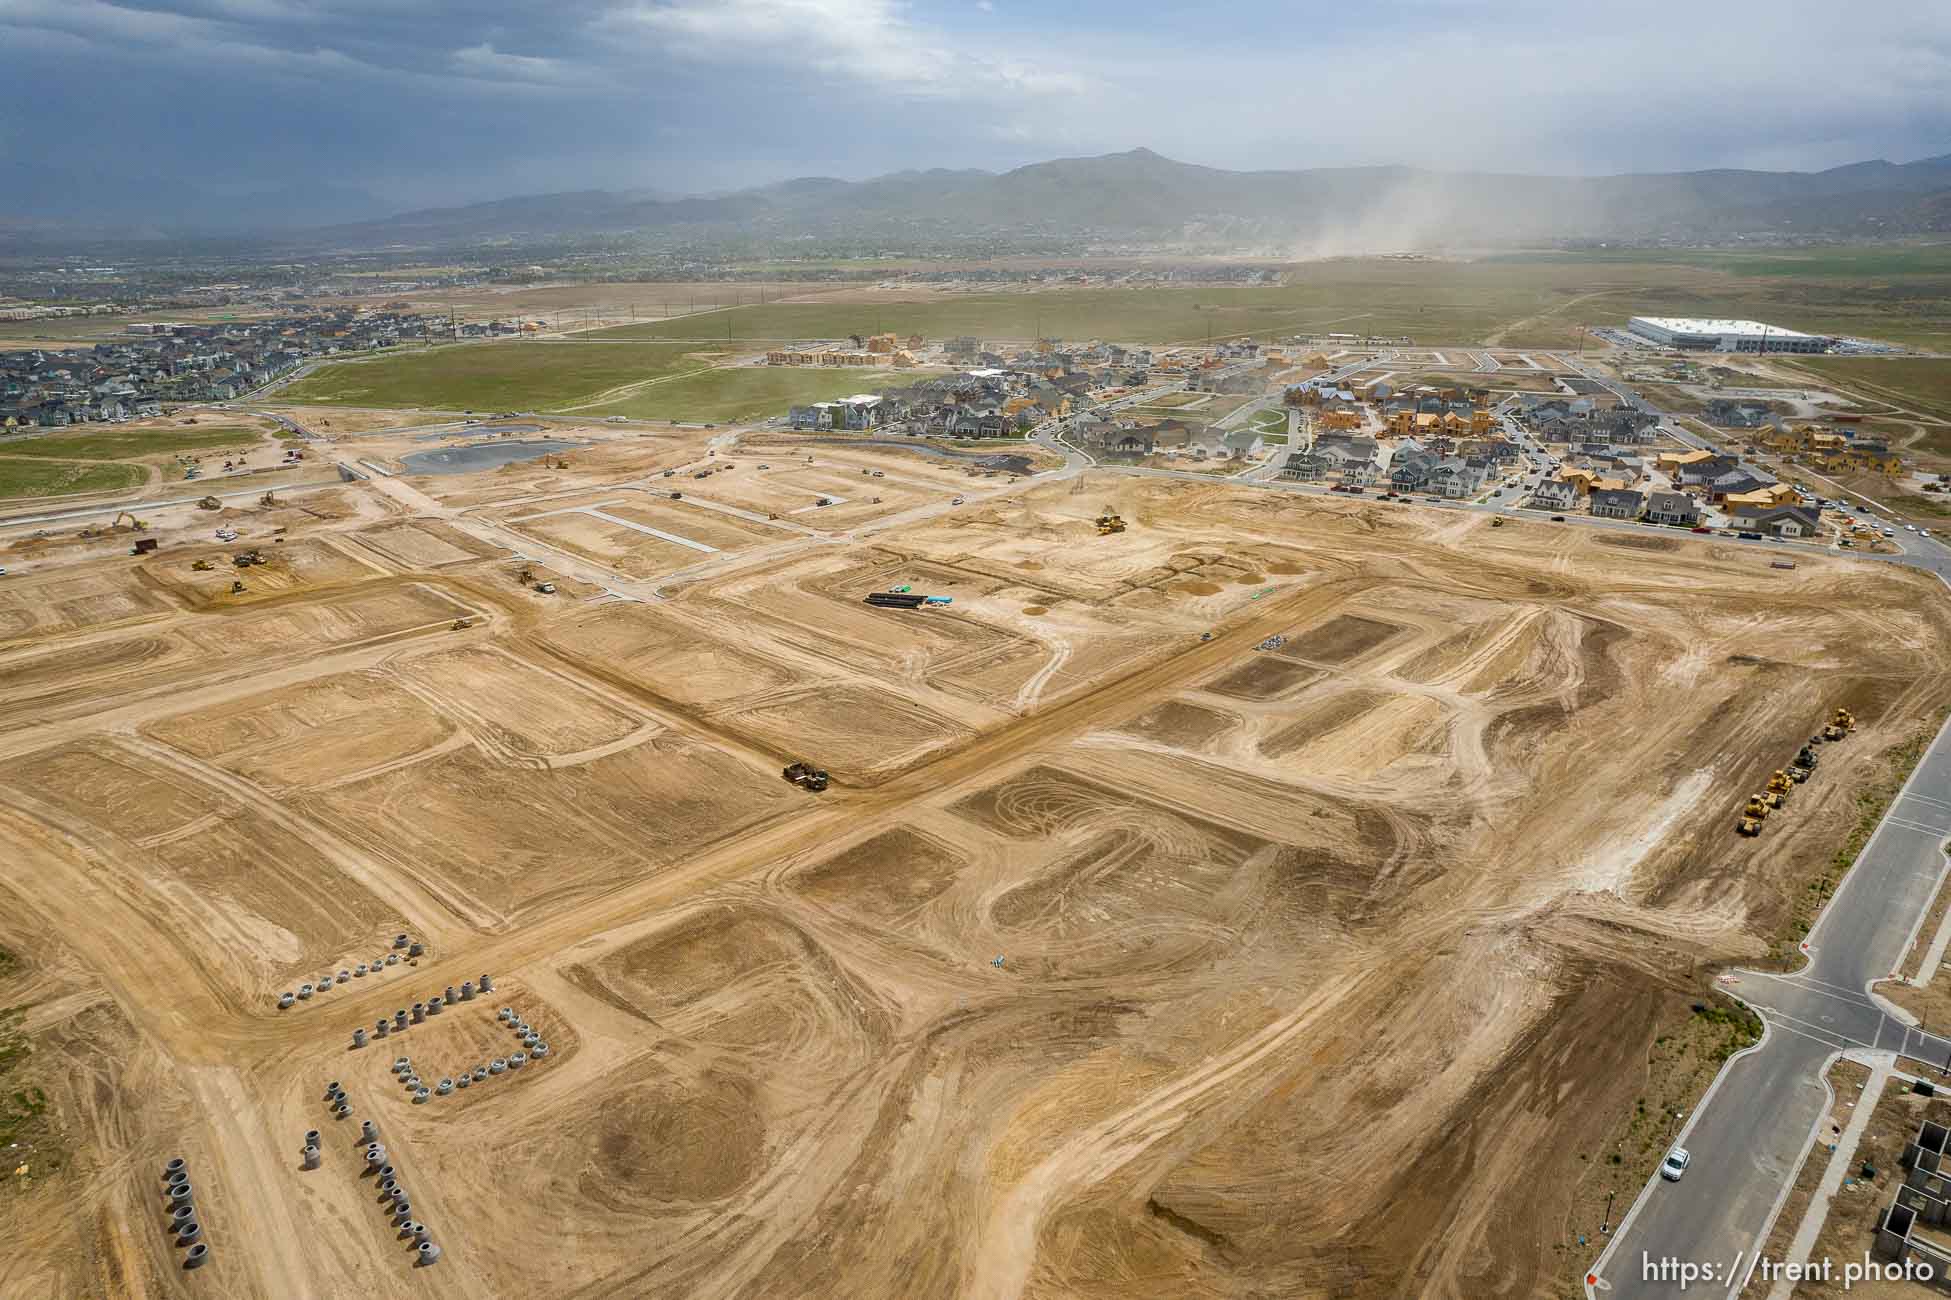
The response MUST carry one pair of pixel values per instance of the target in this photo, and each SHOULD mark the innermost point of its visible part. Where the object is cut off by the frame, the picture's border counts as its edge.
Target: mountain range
(1142, 196)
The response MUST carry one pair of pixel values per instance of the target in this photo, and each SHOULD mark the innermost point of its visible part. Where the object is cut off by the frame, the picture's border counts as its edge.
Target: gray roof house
(1617, 503)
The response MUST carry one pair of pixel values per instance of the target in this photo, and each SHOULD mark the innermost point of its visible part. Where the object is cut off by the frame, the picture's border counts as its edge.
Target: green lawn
(743, 393)
(497, 376)
(46, 478)
(116, 443)
(1915, 383)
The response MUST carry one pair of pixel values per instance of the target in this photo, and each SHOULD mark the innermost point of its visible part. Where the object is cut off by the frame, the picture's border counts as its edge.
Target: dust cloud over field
(1117, 961)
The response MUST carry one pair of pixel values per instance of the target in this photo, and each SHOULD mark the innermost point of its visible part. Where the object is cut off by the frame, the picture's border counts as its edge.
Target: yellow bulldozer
(1757, 807)
(1748, 826)
(1841, 723)
(1497, 521)
(1109, 522)
(202, 566)
(1780, 783)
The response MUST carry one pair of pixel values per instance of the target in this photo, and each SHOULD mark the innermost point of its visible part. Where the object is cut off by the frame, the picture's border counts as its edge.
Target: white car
(1910, 528)
(1675, 1164)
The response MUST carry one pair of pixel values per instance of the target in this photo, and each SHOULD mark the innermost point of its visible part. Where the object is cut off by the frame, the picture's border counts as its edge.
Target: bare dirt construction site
(1120, 959)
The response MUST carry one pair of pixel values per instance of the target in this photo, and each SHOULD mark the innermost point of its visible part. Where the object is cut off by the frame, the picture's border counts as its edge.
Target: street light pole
(1606, 1225)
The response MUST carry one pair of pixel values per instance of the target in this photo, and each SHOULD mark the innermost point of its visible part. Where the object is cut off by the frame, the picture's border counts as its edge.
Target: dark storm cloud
(116, 104)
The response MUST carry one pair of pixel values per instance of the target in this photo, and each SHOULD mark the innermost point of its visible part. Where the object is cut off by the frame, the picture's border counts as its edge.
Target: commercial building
(1724, 335)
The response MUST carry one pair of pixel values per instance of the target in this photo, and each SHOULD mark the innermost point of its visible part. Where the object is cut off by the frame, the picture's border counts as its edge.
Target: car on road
(1674, 1167)
(1749, 537)
(1702, 528)
(1558, 519)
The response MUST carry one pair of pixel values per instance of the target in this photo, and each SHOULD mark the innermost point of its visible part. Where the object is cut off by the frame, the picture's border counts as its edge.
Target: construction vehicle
(202, 566)
(1757, 808)
(237, 588)
(527, 576)
(1772, 798)
(1497, 521)
(268, 500)
(546, 588)
(1748, 826)
(248, 558)
(136, 524)
(1841, 723)
(806, 776)
(1109, 522)
(209, 503)
(463, 624)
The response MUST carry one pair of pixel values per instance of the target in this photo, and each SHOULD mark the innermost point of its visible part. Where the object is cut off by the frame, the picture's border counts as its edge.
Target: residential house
(1555, 494)
(1780, 521)
(1617, 503)
(1674, 508)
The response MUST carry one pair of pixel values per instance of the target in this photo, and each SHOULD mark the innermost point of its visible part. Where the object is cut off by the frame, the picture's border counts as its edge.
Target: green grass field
(1916, 383)
(20, 477)
(493, 376)
(116, 443)
(1900, 293)
(745, 393)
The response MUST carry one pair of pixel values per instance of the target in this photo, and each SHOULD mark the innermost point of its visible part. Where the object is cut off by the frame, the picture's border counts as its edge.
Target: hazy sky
(426, 102)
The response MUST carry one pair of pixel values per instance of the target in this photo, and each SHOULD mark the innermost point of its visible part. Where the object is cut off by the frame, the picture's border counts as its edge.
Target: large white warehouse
(1724, 335)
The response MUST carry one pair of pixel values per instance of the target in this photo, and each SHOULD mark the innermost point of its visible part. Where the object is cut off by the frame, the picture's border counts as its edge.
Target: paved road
(1749, 1134)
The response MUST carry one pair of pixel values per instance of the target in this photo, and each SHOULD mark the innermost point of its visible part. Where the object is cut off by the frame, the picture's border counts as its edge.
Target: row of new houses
(134, 377)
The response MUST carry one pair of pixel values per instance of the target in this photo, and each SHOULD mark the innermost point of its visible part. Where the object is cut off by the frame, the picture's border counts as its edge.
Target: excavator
(1109, 522)
(806, 776)
(137, 524)
(268, 500)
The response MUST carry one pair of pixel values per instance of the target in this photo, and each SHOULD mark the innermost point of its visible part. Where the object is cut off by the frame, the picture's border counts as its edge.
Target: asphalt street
(1747, 1138)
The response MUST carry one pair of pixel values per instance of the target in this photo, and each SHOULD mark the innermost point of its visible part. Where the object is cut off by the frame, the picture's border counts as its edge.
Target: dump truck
(806, 776)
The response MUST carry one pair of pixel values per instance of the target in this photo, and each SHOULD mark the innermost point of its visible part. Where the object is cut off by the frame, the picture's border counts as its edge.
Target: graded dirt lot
(1119, 960)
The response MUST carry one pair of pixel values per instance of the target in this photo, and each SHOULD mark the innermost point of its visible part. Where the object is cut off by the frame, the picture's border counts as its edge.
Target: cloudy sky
(427, 102)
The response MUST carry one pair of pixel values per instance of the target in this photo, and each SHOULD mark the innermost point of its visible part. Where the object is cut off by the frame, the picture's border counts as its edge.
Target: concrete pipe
(402, 1212)
(517, 1060)
(197, 1255)
(519, 1025)
(505, 1016)
(531, 1038)
(369, 1130)
(359, 1038)
(375, 1154)
(304, 992)
(188, 1231)
(311, 1157)
(415, 948)
(345, 977)
(180, 1215)
(324, 982)
(419, 1013)
(448, 997)
(381, 1028)
(392, 959)
(182, 1194)
(176, 1178)
(359, 971)
(311, 1137)
(387, 1173)
(463, 1081)
(497, 1065)
(285, 1000)
(342, 1110)
(444, 1087)
(387, 1187)
(487, 985)
(420, 1096)
(401, 1064)
(480, 1073)
(467, 990)
(411, 1228)
(433, 1008)
(400, 941)
(176, 1166)
(428, 1254)
(420, 1232)
(399, 1018)
(412, 1081)
(539, 1051)
(333, 1088)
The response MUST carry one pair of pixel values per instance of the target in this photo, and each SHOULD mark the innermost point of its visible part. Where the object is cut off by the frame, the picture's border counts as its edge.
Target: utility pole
(1605, 1225)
